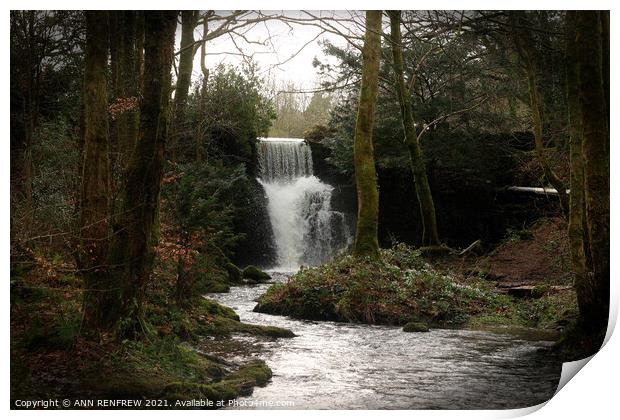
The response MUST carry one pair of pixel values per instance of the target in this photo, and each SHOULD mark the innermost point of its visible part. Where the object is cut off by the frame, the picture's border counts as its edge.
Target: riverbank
(451, 291)
(186, 353)
(366, 366)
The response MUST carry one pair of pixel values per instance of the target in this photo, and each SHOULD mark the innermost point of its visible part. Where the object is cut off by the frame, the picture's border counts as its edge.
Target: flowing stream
(306, 230)
(352, 366)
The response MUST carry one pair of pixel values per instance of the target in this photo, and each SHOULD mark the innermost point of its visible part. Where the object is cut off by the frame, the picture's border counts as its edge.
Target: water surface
(352, 366)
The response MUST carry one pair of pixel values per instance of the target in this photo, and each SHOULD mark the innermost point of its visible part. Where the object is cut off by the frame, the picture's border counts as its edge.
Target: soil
(533, 257)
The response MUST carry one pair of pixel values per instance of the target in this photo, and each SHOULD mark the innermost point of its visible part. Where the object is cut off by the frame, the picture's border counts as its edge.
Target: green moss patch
(255, 274)
(415, 327)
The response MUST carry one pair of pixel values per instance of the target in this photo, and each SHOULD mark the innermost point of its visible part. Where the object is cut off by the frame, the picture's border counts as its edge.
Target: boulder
(256, 274)
(416, 327)
(234, 273)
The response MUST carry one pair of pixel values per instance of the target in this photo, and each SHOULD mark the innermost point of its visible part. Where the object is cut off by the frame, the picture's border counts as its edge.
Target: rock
(416, 327)
(521, 291)
(253, 273)
(234, 273)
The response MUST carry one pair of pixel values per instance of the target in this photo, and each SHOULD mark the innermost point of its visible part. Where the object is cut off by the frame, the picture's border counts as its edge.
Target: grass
(546, 312)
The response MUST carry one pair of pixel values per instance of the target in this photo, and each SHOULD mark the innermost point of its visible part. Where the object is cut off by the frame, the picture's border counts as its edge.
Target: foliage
(56, 181)
(399, 288)
(230, 112)
(201, 200)
(199, 206)
(47, 344)
(296, 113)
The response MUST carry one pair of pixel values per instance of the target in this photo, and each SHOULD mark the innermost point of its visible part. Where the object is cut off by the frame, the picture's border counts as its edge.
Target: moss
(190, 390)
(254, 273)
(415, 327)
(540, 290)
(552, 310)
(225, 326)
(398, 288)
(256, 371)
(235, 275)
(211, 307)
(238, 383)
(214, 282)
(168, 370)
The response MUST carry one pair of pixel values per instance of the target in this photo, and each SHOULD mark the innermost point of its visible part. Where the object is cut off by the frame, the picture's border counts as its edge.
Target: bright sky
(281, 43)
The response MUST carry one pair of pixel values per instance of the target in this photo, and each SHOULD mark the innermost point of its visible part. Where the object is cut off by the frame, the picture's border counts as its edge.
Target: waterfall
(305, 228)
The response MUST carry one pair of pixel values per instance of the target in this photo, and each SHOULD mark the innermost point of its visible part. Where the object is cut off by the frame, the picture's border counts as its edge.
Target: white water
(305, 228)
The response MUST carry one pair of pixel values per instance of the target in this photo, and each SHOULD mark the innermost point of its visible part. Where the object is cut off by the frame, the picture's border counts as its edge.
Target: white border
(592, 395)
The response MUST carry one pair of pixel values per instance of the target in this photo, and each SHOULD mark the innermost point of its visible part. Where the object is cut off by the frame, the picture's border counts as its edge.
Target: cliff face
(257, 247)
(467, 187)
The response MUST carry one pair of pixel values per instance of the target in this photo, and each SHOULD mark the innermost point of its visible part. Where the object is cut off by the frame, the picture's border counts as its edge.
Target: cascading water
(305, 228)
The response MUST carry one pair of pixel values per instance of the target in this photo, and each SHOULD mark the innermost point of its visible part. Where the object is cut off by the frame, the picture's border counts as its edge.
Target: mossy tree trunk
(525, 48)
(577, 224)
(595, 149)
(132, 251)
(189, 19)
(95, 177)
(27, 28)
(129, 69)
(200, 130)
(366, 241)
(587, 81)
(430, 237)
(125, 50)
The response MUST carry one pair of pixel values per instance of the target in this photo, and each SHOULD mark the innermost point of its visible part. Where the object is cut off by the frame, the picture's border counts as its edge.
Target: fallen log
(476, 246)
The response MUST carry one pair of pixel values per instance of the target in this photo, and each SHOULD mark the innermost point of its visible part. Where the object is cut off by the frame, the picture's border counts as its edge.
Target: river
(352, 366)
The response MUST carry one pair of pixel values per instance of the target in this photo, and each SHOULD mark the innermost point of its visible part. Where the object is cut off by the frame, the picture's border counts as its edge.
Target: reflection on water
(350, 366)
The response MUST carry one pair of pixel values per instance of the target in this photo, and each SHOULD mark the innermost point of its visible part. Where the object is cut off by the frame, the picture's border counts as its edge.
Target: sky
(302, 42)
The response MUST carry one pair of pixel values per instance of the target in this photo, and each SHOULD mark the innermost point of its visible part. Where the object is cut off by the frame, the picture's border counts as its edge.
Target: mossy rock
(211, 307)
(216, 282)
(238, 383)
(190, 390)
(235, 275)
(256, 274)
(225, 326)
(415, 327)
(256, 371)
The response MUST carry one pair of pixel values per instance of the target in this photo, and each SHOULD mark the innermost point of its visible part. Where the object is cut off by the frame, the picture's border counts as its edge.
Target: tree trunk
(201, 131)
(524, 44)
(95, 177)
(133, 245)
(423, 191)
(129, 66)
(31, 100)
(577, 231)
(181, 93)
(140, 49)
(366, 242)
(590, 41)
